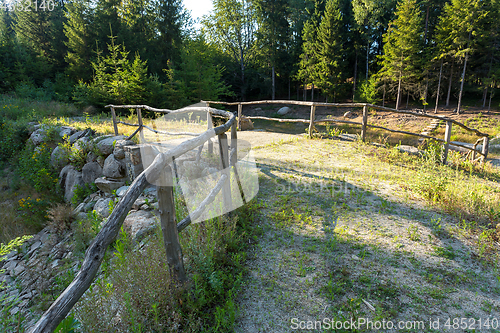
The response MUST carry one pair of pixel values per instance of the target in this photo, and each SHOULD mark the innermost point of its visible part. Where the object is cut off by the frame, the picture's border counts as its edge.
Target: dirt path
(340, 241)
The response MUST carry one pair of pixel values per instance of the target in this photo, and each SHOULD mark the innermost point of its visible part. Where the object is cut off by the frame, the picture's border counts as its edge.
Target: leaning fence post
(311, 120)
(484, 150)
(139, 117)
(166, 207)
(447, 136)
(240, 107)
(224, 155)
(115, 126)
(363, 125)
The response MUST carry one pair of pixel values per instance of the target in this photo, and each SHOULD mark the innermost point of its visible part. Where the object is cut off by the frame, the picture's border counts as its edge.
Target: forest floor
(345, 240)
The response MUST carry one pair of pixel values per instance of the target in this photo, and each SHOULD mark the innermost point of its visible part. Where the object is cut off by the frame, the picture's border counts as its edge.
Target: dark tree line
(145, 51)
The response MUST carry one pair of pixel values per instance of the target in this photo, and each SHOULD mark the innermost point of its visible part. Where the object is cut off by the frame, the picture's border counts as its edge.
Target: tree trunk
(407, 99)
(426, 25)
(312, 93)
(449, 86)
(439, 86)
(425, 92)
(398, 99)
(355, 76)
(367, 55)
(274, 86)
(383, 95)
(304, 92)
(491, 95)
(485, 95)
(463, 77)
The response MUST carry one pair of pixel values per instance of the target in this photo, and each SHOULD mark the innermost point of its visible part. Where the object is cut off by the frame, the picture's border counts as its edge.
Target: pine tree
(456, 32)
(307, 72)
(402, 44)
(330, 50)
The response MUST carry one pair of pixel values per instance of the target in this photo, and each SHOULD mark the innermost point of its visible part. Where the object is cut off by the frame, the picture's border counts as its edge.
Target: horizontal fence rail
(364, 124)
(94, 254)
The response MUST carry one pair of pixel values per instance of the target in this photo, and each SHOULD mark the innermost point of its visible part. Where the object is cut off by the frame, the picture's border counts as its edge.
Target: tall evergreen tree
(330, 52)
(403, 42)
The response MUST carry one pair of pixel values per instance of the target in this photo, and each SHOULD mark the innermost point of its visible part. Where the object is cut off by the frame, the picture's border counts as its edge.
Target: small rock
(79, 208)
(38, 136)
(113, 168)
(106, 144)
(284, 110)
(59, 158)
(102, 207)
(108, 185)
(138, 224)
(408, 149)
(348, 114)
(82, 144)
(138, 203)
(121, 191)
(144, 207)
(66, 131)
(150, 191)
(90, 172)
(118, 151)
(14, 310)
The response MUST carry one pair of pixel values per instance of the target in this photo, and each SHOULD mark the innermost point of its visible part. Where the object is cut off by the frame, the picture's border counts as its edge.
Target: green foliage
(81, 192)
(34, 168)
(368, 91)
(12, 137)
(68, 325)
(148, 298)
(14, 244)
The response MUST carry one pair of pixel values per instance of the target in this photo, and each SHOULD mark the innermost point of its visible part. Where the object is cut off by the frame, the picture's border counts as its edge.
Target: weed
(413, 233)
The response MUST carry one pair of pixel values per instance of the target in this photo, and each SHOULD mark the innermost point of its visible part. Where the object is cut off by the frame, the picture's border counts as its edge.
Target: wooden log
(338, 121)
(447, 136)
(166, 207)
(224, 156)
(233, 159)
(93, 258)
(210, 125)
(484, 150)
(240, 107)
(311, 120)
(281, 120)
(144, 107)
(115, 126)
(133, 134)
(139, 117)
(203, 205)
(363, 126)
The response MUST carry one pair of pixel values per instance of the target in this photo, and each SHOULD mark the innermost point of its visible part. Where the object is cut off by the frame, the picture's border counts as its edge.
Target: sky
(198, 8)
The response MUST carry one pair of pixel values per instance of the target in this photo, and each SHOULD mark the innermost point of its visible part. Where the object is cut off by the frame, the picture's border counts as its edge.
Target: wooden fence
(484, 137)
(159, 168)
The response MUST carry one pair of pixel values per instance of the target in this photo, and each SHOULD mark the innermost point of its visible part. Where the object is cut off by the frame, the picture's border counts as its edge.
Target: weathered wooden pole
(447, 136)
(139, 117)
(115, 125)
(484, 150)
(234, 159)
(166, 207)
(311, 120)
(224, 156)
(363, 125)
(240, 108)
(209, 126)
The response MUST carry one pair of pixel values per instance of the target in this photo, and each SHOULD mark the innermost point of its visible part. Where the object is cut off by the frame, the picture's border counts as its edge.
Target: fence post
(363, 125)
(210, 125)
(115, 126)
(311, 120)
(139, 117)
(166, 207)
(224, 155)
(240, 107)
(484, 150)
(447, 136)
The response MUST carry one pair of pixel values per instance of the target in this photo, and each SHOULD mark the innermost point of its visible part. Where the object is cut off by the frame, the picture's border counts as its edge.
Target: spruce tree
(402, 44)
(330, 52)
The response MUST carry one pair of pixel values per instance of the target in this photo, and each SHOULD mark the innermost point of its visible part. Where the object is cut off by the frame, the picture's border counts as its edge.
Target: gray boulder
(59, 158)
(106, 144)
(113, 168)
(38, 136)
(66, 131)
(91, 171)
(139, 223)
(408, 149)
(119, 152)
(284, 110)
(102, 207)
(69, 179)
(82, 143)
(121, 191)
(108, 185)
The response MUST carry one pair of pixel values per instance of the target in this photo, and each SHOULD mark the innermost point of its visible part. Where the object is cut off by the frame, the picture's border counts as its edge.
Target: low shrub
(34, 167)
